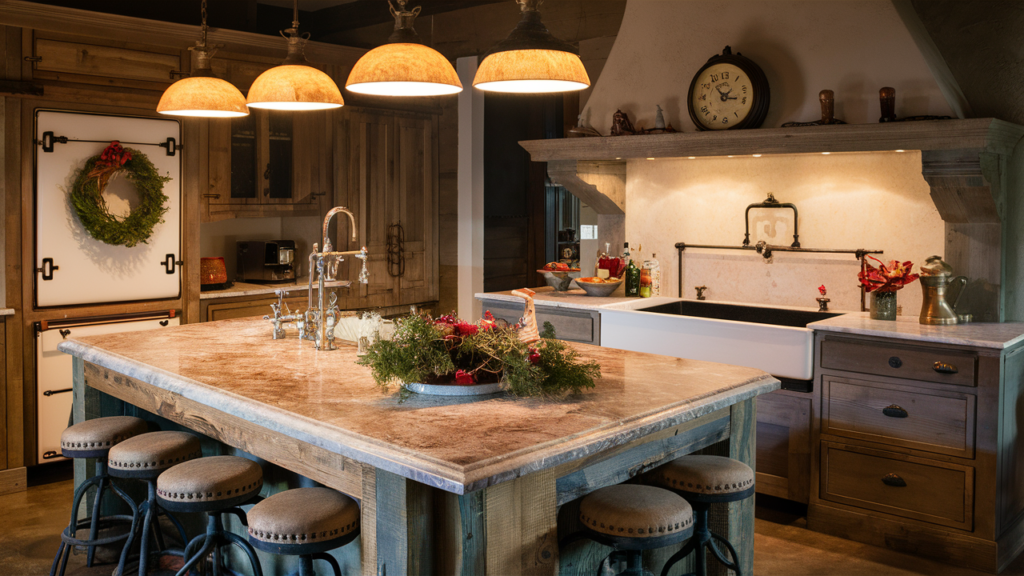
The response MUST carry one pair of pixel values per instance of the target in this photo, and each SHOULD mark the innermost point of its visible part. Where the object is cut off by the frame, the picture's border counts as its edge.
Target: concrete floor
(32, 521)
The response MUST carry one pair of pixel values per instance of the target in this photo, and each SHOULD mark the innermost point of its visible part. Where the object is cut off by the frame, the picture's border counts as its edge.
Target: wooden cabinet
(784, 419)
(388, 177)
(918, 447)
(574, 325)
(265, 164)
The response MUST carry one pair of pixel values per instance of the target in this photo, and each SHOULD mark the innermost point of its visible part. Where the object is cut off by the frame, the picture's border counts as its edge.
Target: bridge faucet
(324, 263)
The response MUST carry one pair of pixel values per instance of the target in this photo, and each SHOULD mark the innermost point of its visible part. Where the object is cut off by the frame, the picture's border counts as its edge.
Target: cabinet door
(371, 162)
(415, 215)
(288, 150)
(234, 161)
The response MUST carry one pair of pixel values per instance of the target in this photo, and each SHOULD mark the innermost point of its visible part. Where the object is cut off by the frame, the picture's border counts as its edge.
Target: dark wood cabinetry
(917, 447)
(784, 422)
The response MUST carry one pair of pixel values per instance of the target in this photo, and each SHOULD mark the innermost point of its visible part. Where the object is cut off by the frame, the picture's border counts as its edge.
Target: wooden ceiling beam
(363, 13)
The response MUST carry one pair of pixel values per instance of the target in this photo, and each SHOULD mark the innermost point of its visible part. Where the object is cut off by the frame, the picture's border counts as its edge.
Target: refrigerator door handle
(169, 263)
(47, 268)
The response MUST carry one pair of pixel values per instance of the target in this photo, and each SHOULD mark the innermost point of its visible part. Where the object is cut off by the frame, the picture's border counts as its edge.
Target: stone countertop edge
(997, 335)
(429, 471)
(6, 311)
(256, 290)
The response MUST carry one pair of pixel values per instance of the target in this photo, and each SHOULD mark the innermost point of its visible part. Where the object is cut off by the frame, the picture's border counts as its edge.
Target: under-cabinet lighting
(757, 155)
(825, 153)
(693, 157)
(650, 158)
(901, 150)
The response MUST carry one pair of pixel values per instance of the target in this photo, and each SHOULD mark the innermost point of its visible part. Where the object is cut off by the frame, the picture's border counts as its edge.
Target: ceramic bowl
(559, 280)
(599, 289)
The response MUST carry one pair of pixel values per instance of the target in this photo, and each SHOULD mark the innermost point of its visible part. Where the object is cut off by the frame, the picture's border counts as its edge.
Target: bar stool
(215, 485)
(632, 518)
(144, 457)
(703, 481)
(305, 522)
(94, 439)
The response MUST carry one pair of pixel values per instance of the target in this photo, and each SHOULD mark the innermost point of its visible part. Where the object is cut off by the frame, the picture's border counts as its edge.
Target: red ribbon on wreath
(112, 159)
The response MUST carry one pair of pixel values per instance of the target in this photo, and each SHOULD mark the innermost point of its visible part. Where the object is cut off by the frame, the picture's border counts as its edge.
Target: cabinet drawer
(574, 327)
(917, 488)
(923, 419)
(912, 362)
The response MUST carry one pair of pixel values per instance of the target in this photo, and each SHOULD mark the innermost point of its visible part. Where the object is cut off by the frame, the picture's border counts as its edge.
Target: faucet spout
(327, 222)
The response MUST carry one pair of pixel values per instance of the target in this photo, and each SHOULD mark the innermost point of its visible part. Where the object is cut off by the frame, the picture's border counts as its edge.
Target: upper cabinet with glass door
(267, 164)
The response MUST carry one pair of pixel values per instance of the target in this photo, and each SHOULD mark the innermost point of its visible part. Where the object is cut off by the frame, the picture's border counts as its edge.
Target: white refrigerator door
(85, 270)
(53, 375)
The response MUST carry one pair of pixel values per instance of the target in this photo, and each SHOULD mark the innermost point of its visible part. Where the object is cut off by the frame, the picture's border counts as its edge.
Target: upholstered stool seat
(304, 522)
(708, 478)
(94, 438)
(215, 485)
(144, 457)
(147, 455)
(632, 518)
(209, 484)
(703, 481)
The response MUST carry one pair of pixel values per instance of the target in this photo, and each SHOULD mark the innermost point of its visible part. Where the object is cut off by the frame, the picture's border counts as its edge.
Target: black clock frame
(759, 86)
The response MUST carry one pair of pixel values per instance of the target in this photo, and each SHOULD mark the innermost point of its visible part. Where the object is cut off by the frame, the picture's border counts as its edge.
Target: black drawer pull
(50, 454)
(894, 480)
(943, 368)
(895, 362)
(52, 392)
(894, 411)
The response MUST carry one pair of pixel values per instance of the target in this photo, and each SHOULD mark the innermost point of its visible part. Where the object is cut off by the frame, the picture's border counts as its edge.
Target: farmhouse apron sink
(775, 340)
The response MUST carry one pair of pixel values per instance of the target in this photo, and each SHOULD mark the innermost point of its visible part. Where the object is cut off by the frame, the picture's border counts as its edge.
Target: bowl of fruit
(558, 275)
(595, 286)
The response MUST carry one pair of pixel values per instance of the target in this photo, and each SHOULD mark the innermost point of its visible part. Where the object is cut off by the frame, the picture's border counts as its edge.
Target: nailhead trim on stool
(635, 511)
(210, 480)
(93, 438)
(703, 474)
(154, 451)
(303, 515)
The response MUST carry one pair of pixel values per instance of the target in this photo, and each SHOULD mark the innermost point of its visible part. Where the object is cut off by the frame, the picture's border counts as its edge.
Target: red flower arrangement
(886, 277)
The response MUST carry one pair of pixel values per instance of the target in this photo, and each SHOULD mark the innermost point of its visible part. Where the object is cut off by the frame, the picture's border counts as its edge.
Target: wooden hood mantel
(965, 162)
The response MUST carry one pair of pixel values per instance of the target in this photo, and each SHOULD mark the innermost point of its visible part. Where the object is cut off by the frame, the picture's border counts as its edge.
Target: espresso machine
(936, 278)
(270, 262)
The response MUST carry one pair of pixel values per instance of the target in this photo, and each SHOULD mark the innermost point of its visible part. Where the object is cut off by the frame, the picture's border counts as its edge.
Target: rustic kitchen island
(445, 485)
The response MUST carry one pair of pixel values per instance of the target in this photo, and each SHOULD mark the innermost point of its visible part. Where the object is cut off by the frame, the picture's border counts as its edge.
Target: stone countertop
(979, 334)
(6, 311)
(455, 444)
(548, 296)
(244, 289)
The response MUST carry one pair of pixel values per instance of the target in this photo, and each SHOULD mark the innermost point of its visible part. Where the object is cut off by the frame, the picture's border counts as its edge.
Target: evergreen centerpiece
(450, 351)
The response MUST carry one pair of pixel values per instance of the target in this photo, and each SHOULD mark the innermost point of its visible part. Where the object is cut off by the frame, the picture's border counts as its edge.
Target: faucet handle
(700, 291)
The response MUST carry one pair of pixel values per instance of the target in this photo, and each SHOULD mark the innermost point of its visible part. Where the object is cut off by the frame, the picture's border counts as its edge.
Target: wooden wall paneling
(195, 136)
(12, 149)
(371, 172)
(98, 61)
(1010, 499)
(743, 447)
(416, 206)
(784, 444)
(3, 391)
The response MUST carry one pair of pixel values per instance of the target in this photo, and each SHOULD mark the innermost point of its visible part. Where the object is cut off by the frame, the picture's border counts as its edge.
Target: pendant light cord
(295, 14)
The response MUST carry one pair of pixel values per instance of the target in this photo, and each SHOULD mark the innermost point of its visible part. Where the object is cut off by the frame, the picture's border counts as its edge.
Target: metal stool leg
(237, 540)
(330, 560)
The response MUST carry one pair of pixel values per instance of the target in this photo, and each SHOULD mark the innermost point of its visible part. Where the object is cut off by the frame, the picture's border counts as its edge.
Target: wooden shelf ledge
(977, 134)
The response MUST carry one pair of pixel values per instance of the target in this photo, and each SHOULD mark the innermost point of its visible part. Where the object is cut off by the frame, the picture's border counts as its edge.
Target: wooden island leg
(742, 447)
(521, 521)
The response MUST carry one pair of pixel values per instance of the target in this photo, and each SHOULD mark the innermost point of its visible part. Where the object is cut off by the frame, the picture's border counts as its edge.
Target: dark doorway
(514, 188)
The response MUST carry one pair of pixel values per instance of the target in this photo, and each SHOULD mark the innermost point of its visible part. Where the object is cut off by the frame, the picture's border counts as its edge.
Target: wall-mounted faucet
(700, 291)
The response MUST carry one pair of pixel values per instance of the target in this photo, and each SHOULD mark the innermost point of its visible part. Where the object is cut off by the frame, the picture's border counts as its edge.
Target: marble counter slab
(547, 296)
(6, 311)
(457, 445)
(981, 335)
(244, 289)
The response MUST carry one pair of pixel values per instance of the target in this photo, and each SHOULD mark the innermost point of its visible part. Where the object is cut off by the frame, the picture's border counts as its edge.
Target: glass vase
(883, 306)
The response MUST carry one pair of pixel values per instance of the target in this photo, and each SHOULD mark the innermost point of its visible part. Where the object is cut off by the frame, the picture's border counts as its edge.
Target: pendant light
(403, 66)
(202, 94)
(531, 60)
(294, 85)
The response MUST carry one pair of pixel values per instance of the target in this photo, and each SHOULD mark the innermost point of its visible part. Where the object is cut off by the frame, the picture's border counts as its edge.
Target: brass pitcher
(936, 277)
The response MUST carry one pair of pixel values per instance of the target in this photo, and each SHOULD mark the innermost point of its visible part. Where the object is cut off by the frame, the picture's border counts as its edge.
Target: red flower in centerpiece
(534, 356)
(465, 329)
(822, 289)
(887, 277)
(464, 378)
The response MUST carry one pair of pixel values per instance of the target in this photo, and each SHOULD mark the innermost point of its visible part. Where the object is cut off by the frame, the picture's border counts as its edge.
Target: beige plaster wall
(853, 47)
(219, 238)
(865, 200)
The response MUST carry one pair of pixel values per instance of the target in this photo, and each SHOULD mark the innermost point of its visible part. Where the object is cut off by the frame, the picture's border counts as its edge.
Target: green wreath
(93, 212)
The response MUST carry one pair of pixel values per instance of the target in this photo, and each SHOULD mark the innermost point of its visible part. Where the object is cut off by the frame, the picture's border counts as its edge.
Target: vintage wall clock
(730, 92)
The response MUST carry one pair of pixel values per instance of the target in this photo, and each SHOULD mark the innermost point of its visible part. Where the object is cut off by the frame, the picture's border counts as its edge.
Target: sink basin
(772, 339)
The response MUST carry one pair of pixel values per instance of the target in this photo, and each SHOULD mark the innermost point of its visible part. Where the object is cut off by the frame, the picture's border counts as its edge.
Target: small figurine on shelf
(581, 131)
(621, 126)
(659, 119)
(822, 300)
(827, 99)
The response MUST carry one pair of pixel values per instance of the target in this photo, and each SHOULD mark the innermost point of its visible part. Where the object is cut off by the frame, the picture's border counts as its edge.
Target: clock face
(722, 96)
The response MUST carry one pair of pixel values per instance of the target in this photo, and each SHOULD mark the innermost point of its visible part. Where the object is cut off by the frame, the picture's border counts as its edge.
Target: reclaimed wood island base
(445, 485)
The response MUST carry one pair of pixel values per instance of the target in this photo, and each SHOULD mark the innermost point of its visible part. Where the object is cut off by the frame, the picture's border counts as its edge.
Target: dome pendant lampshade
(294, 85)
(531, 60)
(404, 66)
(203, 94)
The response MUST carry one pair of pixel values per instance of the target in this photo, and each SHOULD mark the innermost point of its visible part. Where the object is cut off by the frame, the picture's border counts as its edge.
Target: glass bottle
(622, 261)
(653, 268)
(632, 274)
